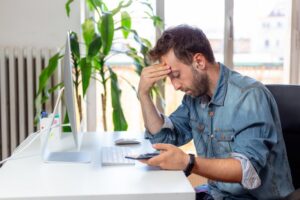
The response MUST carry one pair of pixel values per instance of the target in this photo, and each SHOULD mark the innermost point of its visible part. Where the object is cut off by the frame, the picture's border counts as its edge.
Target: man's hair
(186, 41)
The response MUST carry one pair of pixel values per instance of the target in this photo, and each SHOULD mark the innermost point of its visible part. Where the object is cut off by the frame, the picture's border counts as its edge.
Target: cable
(35, 135)
(31, 137)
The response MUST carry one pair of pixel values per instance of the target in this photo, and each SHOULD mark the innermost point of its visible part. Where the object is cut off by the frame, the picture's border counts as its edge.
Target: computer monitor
(72, 103)
(73, 114)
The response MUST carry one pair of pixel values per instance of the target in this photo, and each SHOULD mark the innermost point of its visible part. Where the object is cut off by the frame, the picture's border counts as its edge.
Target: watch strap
(190, 166)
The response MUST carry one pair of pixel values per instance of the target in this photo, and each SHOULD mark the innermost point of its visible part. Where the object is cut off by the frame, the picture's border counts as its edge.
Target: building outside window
(267, 31)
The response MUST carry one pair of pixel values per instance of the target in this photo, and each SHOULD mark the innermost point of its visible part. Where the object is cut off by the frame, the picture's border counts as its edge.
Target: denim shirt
(241, 118)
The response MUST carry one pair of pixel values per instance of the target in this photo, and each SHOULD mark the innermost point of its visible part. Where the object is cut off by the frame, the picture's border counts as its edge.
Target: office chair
(288, 101)
(294, 196)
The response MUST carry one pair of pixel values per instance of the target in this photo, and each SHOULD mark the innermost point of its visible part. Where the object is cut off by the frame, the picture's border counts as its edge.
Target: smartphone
(144, 156)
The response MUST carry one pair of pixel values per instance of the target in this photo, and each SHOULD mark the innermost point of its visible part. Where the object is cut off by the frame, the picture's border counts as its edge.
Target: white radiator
(19, 75)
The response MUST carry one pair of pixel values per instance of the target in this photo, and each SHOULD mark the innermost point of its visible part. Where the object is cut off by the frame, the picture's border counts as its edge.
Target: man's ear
(199, 59)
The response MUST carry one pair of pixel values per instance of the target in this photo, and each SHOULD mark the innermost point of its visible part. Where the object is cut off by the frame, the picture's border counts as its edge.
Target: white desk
(31, 178)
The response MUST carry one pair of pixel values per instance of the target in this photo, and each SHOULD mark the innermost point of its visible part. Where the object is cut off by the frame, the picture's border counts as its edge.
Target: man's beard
(200, 83)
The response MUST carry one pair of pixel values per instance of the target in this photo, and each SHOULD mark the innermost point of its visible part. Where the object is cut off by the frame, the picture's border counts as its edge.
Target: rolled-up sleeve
(159, 136)
(176, 129)
(250, 179)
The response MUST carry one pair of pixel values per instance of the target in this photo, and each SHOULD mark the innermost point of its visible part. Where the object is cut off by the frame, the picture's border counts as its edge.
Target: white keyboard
(115, 156)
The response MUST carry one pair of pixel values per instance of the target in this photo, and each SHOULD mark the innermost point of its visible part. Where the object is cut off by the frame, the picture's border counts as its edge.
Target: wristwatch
(190, 166)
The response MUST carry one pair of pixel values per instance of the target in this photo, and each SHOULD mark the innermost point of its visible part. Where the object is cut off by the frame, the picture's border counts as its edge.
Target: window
(261, 42)
(267, 33)
(204, 15)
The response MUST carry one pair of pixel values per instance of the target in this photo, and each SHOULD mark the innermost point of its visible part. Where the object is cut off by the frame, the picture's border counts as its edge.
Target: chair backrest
(288, 101)
(293, 196)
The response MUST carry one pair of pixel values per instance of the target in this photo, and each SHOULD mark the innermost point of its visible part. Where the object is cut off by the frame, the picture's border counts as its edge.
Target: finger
(154, 69)
(160, 78)
(161, 64)
(156, 160)
(155, 79)
(161, 146)
(144, 161)
(158, 73)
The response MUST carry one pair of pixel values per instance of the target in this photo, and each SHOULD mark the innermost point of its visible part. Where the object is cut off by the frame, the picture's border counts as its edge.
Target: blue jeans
(203, 196)
(202, 192)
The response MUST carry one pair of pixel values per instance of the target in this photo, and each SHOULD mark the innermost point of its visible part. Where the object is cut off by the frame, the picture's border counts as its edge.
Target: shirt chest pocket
(222, 141)
(200, 136)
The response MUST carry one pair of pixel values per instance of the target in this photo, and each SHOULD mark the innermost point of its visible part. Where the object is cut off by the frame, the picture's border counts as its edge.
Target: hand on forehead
(162, 63)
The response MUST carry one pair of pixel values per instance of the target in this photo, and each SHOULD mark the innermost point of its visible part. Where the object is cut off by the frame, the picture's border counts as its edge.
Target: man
(232, 119)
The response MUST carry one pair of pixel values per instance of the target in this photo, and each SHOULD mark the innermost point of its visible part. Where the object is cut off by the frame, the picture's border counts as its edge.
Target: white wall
(37, 23)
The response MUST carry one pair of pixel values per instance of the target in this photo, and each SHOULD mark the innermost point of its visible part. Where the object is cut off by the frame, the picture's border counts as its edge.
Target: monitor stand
(77, 157)
(62, 156)
(63, 150)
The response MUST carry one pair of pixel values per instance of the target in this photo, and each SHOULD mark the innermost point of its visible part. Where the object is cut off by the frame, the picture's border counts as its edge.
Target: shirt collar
(219, 95)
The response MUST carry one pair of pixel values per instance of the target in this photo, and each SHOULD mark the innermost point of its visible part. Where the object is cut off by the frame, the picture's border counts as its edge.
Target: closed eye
(175, 74)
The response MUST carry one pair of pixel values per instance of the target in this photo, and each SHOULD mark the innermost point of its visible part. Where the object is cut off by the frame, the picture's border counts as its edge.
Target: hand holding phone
(144, 156)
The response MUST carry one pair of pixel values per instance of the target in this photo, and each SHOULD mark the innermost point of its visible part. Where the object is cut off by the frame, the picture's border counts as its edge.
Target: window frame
(294, 61)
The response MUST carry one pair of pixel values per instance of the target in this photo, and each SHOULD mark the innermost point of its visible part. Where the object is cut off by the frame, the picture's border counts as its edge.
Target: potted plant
(98, 39)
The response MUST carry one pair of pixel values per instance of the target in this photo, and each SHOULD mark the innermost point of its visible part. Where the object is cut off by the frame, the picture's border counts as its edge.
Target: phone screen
(142, 156)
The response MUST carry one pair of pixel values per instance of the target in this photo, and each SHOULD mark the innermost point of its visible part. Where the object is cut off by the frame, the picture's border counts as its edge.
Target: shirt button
(201, 127)
(212, 136)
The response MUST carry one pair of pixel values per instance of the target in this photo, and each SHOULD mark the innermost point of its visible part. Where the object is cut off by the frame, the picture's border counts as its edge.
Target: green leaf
(96, 63)
(54, 88)
(119, 120)
(138, 60)
(126, 23)
(66, 121)
(48, 72)
(43, 94)
(120, 6)
(45, 98)
(86, 72)
(75, 45)
(88, 31)
(103, 7)
(136, 37)
(67, 6)
(147, 4)
(107, 32)
(93, 4)
(96, 4)
(146, 42)
(157, 21)
(94, 46)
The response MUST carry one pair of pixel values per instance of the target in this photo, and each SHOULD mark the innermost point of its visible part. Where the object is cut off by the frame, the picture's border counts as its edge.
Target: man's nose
(176, 85)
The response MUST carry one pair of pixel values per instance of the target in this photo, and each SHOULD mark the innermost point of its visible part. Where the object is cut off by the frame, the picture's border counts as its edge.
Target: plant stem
(77, 85)
(103, 97)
